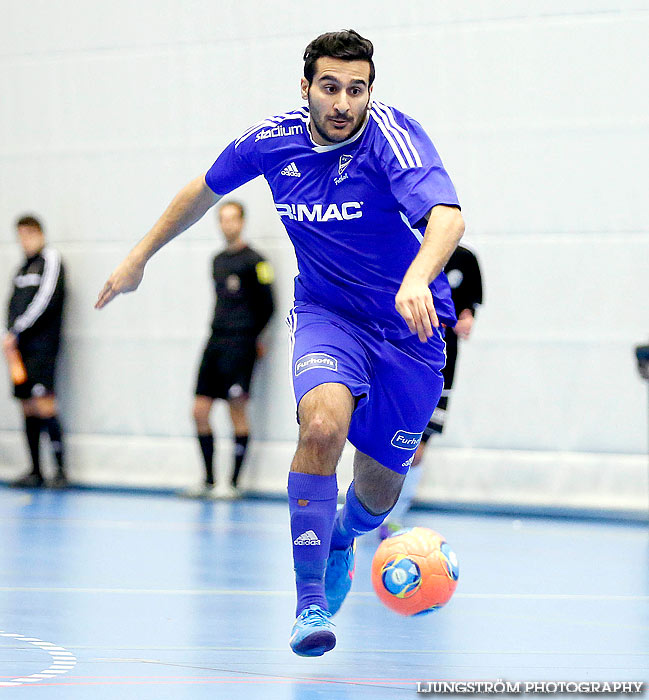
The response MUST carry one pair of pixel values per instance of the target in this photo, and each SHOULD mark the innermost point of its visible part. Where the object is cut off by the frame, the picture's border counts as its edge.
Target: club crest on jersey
(321, 212)
(343, 162)
(405, 440)
(315, 360)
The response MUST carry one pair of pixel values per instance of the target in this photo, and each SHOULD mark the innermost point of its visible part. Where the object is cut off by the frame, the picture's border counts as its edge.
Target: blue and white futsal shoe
(339, 575)
(312, 632)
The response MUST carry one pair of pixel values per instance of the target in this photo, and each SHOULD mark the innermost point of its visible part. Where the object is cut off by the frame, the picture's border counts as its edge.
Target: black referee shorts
(438, 419)
(226, 367)
(40, 368)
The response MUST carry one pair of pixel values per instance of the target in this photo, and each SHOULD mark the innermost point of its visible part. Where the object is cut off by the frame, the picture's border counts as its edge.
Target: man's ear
(304, 88)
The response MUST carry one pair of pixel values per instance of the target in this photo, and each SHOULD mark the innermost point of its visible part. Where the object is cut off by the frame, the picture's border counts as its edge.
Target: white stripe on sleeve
(396, 135)
(392, 120)
(45, 292)
(389, 139)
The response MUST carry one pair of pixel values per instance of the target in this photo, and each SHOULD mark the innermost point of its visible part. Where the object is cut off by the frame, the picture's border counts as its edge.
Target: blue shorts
(396, 383)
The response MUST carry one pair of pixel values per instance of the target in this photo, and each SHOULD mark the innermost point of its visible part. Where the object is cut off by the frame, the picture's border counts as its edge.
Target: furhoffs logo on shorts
(405, 440)
(315, 360)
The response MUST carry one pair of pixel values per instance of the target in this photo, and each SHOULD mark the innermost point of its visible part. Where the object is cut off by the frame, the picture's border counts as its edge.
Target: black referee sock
(207, 449)
(240, 447)
(33, 433)
(56, 440)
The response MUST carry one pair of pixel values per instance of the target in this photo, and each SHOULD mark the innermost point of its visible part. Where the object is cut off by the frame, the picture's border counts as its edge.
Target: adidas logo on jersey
(309, 538)
(291, 170)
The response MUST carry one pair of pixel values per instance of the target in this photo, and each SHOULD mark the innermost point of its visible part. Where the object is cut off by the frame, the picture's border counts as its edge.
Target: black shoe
(60, 481)
(29, 481)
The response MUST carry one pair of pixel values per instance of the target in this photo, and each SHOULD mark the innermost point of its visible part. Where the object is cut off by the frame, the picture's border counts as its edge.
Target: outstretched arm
(414, 300)
(186, 208)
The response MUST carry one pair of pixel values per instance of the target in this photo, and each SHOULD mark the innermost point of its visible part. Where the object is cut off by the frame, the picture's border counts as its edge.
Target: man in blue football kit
(373, 217)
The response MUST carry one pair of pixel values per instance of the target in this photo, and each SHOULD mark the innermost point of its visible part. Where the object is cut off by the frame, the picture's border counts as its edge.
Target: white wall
(539, 110)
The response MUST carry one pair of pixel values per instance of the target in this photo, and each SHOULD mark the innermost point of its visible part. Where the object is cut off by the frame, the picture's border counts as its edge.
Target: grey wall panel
(539, 113)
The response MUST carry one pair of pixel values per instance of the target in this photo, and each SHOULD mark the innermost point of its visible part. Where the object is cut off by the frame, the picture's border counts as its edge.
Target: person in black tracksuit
(463, 272)
(34, 328)
(465, 279)
(244, 305)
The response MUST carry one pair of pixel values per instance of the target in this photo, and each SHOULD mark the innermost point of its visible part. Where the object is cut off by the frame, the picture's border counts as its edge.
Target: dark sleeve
(49, 296)
(261, 296)
(10, 311)
(473, 280)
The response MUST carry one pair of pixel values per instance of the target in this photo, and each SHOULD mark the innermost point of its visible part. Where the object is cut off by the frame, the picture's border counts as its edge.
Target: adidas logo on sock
(291, 170)
(309, 537)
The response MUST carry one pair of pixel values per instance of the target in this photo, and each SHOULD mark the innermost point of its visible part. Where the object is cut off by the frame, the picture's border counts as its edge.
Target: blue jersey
(354, 211)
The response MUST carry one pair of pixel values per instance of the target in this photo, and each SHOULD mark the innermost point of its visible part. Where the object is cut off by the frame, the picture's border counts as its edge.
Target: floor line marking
(63, 660)
(361, 594)
(488, 652)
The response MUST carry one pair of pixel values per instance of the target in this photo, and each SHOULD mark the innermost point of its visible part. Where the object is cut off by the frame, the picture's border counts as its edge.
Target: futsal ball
(415, 571)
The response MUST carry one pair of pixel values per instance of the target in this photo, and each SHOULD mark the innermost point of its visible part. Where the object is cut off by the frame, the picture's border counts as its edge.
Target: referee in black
(244, 304)
(465, 279)
(463, 272)
(34, 329)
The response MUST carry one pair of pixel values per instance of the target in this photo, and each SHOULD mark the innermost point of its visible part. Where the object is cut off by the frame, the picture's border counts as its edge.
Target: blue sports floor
(130, 596)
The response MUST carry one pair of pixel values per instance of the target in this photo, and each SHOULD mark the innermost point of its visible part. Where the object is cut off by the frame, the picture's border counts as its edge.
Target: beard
(319, 123)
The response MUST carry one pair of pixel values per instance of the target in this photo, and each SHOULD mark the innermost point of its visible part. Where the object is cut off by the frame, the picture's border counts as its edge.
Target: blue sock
(312, 505)
(353, 520)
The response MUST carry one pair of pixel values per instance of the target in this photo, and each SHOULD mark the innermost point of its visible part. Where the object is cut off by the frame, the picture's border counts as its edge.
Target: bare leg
(45, 406)
(29, 407)
(376, 486)
(325, 413)
(201, 414)
(239, 415)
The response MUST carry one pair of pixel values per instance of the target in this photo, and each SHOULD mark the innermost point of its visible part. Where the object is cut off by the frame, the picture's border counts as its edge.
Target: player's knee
(377, 503)
(322, 433)
(378, 490)
(201, 413)
(46, 407)
(198, 414)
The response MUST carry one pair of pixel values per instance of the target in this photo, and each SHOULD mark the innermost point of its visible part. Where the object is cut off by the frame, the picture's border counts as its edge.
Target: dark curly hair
(347, 45)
